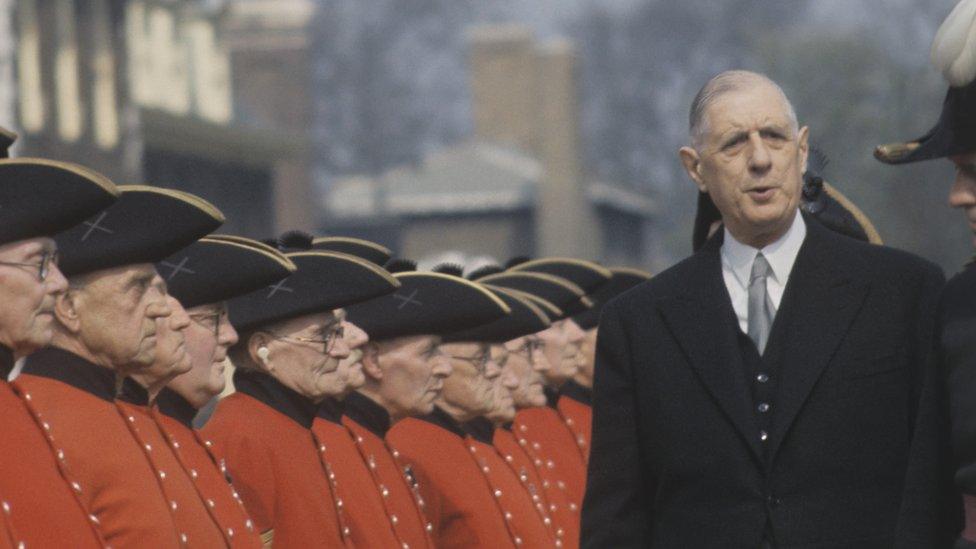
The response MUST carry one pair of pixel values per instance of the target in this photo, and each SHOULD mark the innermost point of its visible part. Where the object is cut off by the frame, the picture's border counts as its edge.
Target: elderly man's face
(413, 371)
(963, 193)
(27, 314)
(208, 337)
(750, 161)
(561, 349)
(470, 386)
(172, 358)
(305, 352)
(117, 311)
(503, 403)
(349, 376)
(526, 365)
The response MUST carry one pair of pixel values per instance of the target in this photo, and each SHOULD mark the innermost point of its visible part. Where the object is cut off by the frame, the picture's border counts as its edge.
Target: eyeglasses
(531, 346)
(479, 361)
(334, 334)
(210, 320)
(43, 268)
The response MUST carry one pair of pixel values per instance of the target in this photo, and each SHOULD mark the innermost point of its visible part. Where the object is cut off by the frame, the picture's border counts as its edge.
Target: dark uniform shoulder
(883, 262)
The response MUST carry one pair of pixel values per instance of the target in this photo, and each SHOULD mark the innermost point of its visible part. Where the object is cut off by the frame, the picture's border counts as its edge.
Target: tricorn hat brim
(586, 274)
(954, 134)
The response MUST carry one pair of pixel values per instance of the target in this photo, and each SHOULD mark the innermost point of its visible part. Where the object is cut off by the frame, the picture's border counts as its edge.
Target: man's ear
(691, 161)
(66, 310)
(371, 362)
(258, 351)
(803, 144)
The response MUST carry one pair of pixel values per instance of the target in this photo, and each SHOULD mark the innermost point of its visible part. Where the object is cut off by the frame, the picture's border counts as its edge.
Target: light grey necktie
(760, 313)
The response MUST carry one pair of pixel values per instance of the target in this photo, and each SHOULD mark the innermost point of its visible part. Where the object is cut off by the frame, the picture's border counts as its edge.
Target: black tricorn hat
(955, 132)
(215, 269)
(525, 318)
(323, 281)
(7, 139)
(370, 251)
(585, 274)
(145, 225)
(40, 197)
(623, 279)
(427, 303)
(569, 297)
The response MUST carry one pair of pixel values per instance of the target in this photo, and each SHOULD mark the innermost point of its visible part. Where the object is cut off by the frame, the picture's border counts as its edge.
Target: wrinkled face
(27, 314)
(172, 358)
(208, 337)
(963, 193)
(503, 403)
(470, 385)
(413, 369)
(750, 161)
(349, 375)
(304, 351)
(561, 348)
(526, 364)
(117, 310)
(588, 355)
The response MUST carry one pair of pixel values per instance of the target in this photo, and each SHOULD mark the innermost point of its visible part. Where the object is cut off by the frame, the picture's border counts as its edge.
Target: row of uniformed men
(378, 407)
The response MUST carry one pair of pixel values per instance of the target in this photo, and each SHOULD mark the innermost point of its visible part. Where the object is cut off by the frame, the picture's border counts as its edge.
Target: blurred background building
(469, 129)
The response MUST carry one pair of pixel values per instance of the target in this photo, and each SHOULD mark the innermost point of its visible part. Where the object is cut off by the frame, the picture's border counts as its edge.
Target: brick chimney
(525, 95)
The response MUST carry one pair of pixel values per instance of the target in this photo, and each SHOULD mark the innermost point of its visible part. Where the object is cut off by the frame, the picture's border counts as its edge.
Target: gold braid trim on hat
(859, 216)
(893, 152)
(589, 265)
(631, 271)
(366, 243)
(476, 286)
(534, 299)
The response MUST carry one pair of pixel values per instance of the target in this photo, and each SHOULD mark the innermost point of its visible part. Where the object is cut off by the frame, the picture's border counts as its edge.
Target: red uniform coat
(362, 504)
(554, 447)
(459, 502)
(72, 399)
(521, 502)
(193, 516)
(263, 430)
(575, 405)
(368, 423)
(564, 512)
(174, 417)
(37, 505)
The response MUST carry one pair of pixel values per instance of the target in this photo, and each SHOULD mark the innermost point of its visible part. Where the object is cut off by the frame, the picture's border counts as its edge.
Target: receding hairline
(728, 82)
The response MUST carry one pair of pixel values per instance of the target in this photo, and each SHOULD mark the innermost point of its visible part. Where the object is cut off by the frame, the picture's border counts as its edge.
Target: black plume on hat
(623, 279)
(215, 269)
(525, 318)
(370, 251)
(7, 139)
(40, 197)
(427, 304)
(146, 225)
(452, 269)
(294, 241)
(401, 265)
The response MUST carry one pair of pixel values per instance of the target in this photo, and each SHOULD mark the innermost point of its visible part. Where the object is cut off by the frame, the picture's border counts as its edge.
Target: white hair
(721, 84)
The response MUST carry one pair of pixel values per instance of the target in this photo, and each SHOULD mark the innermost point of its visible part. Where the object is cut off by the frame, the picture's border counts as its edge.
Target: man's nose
(179, 320)
(509, 381)
(760, 161)
(492, 370)
(55, 281)
(355, 336)
(340, 349)
(442, 366)
(963, 192)
(158, 308)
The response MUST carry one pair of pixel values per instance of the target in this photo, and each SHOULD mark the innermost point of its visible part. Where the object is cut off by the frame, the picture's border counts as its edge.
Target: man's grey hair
(721, 84)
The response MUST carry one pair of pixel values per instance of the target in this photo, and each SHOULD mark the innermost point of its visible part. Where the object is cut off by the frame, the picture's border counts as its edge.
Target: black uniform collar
(552, 396)
(440, 418)
(6, 362)
(175, 406)
(271, 392)
(67, 367)
(133, 393)
(480, 429)
(507, 426)
(331, 410)
(364, 411)
(577, 392)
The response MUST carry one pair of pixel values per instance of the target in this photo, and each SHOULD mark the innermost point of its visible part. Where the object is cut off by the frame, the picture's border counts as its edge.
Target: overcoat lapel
(820, 302)
(702, 321)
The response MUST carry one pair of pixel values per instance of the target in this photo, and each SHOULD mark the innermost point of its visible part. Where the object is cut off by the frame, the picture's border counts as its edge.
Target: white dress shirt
(737, 259)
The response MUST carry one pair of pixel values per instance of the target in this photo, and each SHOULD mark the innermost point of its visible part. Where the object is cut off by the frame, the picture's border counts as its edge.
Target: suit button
(762, 378)
(773, 501)
(763, 407)
(763, 436)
